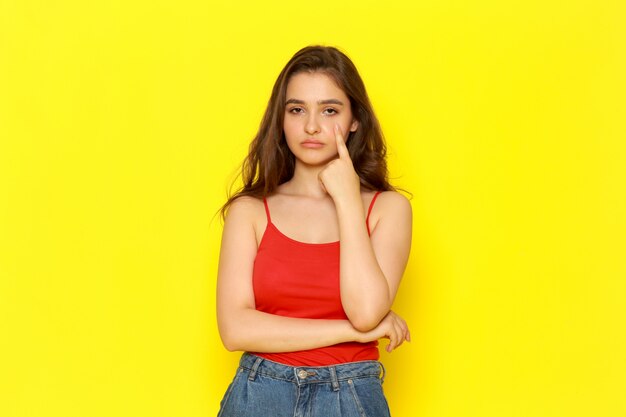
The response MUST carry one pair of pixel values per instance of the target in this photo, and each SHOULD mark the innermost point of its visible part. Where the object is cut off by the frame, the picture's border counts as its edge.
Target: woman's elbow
(229, 345)
(230, 341)
(364, 322)
(233, 331)
(366, 316)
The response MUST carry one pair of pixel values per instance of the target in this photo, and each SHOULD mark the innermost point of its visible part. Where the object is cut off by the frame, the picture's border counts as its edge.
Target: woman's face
(314, 104)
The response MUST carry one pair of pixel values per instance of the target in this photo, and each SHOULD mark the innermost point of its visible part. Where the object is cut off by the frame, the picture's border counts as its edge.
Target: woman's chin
(313, 162)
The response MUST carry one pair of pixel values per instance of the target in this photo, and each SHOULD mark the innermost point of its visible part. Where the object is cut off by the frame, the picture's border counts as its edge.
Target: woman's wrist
(349, 205)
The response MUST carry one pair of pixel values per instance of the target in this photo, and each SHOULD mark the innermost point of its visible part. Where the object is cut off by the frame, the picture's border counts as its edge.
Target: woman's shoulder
(247, 201)
(391, 212)
(245, 207)
(391, 203)
(246, 214)
(392, 199)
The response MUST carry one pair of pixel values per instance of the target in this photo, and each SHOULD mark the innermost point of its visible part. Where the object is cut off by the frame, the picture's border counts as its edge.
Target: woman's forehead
(313, 87)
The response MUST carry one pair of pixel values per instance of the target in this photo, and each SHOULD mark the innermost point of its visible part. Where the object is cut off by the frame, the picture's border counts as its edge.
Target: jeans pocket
(368, 397)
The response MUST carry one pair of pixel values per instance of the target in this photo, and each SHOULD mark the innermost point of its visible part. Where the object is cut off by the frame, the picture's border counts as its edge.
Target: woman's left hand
(338, 178)
(392, 327)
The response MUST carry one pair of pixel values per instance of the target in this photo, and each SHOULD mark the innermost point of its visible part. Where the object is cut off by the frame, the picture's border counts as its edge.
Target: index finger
(342, 149)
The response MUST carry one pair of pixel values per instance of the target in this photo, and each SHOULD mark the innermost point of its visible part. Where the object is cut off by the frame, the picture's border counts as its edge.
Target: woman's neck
(305, 182)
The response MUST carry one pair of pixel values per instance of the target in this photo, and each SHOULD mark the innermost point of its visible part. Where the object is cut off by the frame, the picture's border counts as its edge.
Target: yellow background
(122, 124)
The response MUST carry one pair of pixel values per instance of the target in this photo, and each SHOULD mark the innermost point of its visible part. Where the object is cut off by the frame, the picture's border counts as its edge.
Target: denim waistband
(311, 374)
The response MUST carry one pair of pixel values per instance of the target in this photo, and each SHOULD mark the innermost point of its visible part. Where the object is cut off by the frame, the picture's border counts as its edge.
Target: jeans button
(302, 373)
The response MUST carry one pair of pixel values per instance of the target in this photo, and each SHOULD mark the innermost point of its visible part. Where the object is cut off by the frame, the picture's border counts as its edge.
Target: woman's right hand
(392, 327)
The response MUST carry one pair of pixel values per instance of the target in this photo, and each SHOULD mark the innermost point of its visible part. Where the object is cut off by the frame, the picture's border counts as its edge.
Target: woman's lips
(312, 144)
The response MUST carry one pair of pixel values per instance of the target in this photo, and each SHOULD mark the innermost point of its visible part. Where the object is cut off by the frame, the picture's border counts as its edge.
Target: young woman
(306, 314)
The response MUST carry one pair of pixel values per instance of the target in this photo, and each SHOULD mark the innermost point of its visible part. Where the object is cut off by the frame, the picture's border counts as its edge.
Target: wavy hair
(270, 163)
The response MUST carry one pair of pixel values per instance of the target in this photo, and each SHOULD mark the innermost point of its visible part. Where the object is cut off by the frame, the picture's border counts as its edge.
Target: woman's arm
(371, 266)
(241, 326)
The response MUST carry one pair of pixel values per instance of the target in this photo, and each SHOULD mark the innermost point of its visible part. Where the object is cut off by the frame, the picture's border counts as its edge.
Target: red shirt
(298, 279)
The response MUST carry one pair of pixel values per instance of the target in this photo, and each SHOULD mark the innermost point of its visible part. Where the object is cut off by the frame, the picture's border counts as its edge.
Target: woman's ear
(354, 126)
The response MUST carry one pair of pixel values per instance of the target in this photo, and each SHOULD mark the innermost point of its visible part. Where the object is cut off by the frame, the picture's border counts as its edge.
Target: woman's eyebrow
(328, 101)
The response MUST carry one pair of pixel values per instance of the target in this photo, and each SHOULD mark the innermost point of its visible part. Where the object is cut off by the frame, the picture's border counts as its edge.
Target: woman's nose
(312, 125)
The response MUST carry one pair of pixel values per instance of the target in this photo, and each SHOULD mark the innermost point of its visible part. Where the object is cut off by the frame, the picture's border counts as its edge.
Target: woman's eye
(299, 110)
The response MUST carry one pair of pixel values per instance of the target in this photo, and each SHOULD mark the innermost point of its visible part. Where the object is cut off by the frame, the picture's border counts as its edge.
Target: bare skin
(323, 202)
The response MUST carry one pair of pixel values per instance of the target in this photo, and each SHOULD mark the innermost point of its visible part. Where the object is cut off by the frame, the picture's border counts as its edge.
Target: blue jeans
(263, 388)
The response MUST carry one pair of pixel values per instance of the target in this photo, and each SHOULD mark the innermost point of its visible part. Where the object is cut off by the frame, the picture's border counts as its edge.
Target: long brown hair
(270, 163)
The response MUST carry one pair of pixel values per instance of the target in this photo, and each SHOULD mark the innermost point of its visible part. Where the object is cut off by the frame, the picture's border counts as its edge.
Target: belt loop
(333, 378)
(382, 377)
(255, 367)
